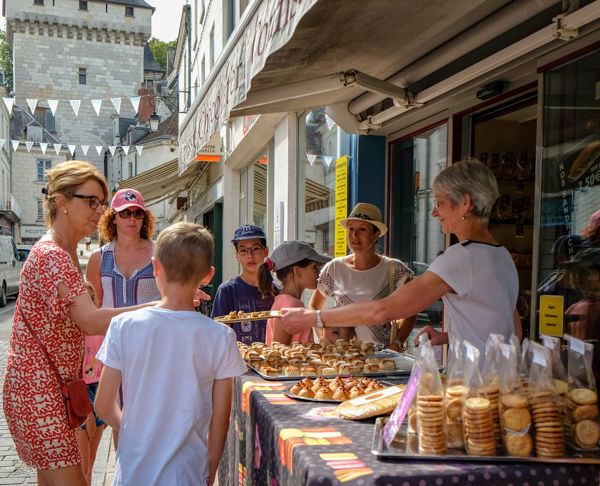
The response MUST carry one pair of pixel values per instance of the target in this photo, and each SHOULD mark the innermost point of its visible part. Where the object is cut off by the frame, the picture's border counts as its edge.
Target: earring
(65, 211)
(464, 217)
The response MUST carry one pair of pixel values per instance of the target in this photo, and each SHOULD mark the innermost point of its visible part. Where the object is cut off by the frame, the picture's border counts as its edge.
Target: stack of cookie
(580, 420)
(549, 440)
(479, 427)
(430, 424)
(454, 408)
(516, 423)
(492, 392)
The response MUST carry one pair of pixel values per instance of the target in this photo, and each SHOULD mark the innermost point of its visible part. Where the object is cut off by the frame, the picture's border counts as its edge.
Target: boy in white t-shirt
(176, 366)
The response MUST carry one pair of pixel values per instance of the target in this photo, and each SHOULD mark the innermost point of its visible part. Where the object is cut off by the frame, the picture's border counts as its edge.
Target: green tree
(159, 50)
(6, 60)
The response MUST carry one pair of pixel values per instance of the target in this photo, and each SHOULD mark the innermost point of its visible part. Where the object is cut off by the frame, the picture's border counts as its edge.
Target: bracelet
(319, 320)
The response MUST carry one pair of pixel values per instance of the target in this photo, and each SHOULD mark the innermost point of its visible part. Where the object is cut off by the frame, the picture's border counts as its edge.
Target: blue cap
(248, 232)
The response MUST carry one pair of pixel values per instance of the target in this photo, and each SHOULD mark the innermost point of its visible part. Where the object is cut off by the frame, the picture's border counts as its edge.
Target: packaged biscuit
(559, 375)
(581, 417)
(524, 363)
(543, 400)
(515, 416)
(491, 379)
(455, 392)
(478, 428)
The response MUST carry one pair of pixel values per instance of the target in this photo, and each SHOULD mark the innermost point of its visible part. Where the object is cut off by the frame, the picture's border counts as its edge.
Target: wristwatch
(319, 320)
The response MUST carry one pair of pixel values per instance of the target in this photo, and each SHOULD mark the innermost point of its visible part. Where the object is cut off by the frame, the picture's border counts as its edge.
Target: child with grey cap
(296, 265)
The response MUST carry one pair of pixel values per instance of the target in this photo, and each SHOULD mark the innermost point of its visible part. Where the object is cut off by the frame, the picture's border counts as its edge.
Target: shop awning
(164, 181)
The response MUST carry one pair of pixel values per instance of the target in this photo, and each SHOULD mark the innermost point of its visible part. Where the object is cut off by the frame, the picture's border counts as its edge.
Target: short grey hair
(472, 177)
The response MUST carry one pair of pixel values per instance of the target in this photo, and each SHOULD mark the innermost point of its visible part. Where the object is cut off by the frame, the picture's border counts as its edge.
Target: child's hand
(200, 295)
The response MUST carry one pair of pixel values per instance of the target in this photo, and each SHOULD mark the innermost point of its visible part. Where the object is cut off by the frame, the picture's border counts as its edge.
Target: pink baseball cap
(595, 219)
(127, 198)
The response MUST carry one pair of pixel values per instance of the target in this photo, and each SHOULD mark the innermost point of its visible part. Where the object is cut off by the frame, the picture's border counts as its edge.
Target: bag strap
(41, 345)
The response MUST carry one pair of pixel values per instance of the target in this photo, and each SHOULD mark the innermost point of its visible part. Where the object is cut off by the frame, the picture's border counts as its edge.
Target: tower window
(129, 11)
(82, 76)
(83, 5)
(38, 2)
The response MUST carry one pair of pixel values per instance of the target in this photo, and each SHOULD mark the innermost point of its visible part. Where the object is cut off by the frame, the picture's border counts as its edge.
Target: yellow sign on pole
(341, 204)
(552, 309)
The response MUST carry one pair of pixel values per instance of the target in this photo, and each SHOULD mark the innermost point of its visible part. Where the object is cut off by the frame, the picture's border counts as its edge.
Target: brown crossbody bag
(74, 393)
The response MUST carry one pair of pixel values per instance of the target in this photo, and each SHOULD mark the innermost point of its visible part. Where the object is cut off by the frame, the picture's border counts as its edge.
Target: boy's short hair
(185, 251)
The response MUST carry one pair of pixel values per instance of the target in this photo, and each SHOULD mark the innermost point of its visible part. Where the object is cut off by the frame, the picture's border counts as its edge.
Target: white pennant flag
(125, 149)
(15, 144)
(2, 142)
(97, 104)
(328, 159)
(72, 149)
(32, 103)
(9, 102)
(99, 149)
(28, 145)
(117, 104)
(112, 149)
(329, 121)
(135, 101)
(57, 147)
(43, 146)
(75, 104)
(53, 104)
(139, 149)
(84, 149)
(311, 158)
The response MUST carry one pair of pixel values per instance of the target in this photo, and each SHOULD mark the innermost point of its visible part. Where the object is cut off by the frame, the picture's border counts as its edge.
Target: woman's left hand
(298, 319)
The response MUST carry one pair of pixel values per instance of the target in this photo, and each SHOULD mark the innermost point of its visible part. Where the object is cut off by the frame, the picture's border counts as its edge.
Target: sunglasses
(93, 200)
(137, 214)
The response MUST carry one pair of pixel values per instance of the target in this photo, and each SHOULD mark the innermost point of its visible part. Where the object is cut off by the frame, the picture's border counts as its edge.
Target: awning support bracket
(562, 32)
(400, 96)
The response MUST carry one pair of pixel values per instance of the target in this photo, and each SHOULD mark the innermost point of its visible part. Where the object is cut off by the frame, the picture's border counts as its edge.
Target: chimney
(147, 101)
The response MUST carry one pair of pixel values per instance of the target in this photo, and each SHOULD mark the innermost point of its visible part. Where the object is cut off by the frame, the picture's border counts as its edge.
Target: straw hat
(368, 213)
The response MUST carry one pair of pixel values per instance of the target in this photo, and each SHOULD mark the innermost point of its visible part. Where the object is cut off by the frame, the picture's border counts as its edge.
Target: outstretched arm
(219, 423)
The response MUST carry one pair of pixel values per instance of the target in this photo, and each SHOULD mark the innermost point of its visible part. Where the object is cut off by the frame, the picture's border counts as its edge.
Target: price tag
(393, 424)
(577, 345)
(538, 358)
(547, 341)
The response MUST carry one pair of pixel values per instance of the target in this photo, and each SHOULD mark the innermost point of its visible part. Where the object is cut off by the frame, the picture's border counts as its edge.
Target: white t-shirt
(486, 283)
(346, 285)
(168, 361)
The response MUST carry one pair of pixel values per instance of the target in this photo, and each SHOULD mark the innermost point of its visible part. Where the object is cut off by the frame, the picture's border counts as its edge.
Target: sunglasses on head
(137, 213)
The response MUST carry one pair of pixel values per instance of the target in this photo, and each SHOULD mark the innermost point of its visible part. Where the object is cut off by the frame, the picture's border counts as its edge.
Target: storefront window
(321, 143)
(571, 193)
(253, 193)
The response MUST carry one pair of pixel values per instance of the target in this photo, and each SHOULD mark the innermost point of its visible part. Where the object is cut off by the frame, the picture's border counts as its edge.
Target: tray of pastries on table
(336, 389)
(342, 358)
(241, 316)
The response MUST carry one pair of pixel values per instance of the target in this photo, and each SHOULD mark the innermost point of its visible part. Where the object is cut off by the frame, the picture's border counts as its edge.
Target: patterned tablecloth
(278, 441)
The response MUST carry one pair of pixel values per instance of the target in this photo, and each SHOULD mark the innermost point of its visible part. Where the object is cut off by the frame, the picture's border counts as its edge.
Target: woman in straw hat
(476, 278)
(364, 274)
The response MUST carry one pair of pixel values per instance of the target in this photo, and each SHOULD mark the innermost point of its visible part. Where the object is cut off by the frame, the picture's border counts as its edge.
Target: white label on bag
(505, 352)
(547, 341)
(385, 392)
(577, 345)
(470, 353)
(538, 358)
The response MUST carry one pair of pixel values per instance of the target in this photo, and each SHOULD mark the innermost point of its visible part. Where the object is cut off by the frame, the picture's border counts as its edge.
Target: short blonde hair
(64, 179)
(185, 251)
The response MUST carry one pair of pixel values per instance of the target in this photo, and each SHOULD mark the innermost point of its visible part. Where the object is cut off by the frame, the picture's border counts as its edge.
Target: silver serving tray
(307, 399)
(399, 449)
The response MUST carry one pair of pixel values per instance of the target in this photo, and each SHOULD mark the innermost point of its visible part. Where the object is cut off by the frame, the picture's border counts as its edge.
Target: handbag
(75, 394)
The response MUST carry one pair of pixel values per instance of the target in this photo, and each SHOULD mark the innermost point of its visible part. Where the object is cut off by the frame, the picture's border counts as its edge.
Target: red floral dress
(33, 404)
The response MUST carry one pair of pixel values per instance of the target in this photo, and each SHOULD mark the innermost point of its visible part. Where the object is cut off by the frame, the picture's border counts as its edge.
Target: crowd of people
(130, 326)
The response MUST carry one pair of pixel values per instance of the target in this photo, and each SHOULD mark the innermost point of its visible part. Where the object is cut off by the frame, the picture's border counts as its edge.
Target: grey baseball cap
(290, 252)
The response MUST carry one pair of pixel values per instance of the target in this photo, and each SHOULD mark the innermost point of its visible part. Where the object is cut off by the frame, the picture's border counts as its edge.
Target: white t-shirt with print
(486, 286)
(168, 361)
(346, 285)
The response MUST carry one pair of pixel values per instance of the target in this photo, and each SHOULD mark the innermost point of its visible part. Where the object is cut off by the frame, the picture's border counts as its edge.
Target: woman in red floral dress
(59, 309)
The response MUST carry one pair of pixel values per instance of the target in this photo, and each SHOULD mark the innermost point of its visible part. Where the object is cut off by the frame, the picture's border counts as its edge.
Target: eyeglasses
(437, 202)
(250, 251)
(137, 214)
(93, 200)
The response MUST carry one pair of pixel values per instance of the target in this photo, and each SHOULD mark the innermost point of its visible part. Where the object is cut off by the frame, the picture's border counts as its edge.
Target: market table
(275, 440)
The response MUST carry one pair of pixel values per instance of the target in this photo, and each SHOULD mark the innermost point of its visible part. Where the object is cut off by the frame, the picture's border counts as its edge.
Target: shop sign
(33, 231)
(341, 204)
(271, 26)
(552, 315)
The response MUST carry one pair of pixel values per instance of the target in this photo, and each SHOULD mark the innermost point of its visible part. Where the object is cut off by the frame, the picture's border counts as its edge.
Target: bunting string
(28, 144)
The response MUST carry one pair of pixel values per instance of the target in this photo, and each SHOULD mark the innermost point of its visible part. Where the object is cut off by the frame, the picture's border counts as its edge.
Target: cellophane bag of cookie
(543, 401)
(559, 371)
(431, 426)
(515, 416)
(478, 428)
(524, 363)
(454, 392)
(581, 418)
(491, 380)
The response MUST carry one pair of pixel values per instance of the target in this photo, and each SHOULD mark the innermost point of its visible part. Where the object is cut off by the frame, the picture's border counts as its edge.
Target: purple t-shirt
(237, 295)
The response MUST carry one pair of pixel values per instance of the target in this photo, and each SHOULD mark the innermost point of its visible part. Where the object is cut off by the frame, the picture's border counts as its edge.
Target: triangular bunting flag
(125, 149)
(329, 121)
(117, 104)
(328, 159)
(97, 104)
(57, 147)
(43, 146)
(99, 149)
(72, 149)
(135, 101)
(28, 145)
(53, 104)
(2, 142)
(112, 149)
(139, 149)
(311, 158)
(84, 149)
(32, 103)
(75, 104)
(9, 102)
(15, 144)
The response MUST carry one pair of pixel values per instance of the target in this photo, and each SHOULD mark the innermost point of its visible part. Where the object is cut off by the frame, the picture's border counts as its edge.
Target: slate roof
(167, 129)
(150, 63)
